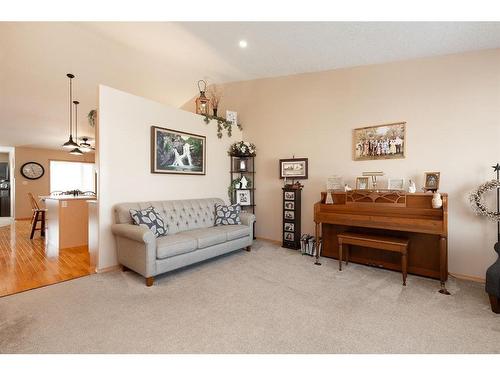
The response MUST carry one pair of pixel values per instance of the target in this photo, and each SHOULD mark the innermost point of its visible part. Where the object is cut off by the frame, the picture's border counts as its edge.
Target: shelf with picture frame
(291, 217)
(242, 166)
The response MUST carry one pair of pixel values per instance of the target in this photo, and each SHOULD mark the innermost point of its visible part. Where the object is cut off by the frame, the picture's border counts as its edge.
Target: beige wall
(452, 108)
(123, 159)
(4, 157)
(40, 186)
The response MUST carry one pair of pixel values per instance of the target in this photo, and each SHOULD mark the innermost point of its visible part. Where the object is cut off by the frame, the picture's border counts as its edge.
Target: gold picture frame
(431, 181)
(396, 184)
(379, 142)
(362, 183)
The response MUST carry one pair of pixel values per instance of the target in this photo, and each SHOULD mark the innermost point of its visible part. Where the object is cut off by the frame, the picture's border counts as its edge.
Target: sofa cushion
(174, 244)
(180, 215)
(150, 218)
(207, 236)
(234, 232)
(227, 215)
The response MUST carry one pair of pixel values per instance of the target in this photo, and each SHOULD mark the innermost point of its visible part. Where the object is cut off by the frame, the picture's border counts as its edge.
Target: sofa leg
(150, 281)
(248, 248)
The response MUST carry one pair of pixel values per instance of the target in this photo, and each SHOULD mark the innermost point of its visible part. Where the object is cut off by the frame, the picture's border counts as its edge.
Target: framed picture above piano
(386, 141)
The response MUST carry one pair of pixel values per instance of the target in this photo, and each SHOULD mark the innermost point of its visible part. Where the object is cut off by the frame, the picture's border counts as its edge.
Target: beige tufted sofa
(192, 236)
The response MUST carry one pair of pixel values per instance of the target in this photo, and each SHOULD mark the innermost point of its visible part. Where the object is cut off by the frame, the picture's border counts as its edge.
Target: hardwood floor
(26, 264)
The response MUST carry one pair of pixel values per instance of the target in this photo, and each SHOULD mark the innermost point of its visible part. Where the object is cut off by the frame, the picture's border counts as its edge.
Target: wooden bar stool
(38, 216)
(394, 244)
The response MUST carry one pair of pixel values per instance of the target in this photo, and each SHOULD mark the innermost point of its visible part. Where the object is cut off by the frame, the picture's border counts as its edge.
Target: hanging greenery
(222, 124)
(92, 118)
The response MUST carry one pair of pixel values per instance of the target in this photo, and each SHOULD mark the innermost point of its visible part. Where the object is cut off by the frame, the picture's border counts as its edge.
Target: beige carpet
(270, 300)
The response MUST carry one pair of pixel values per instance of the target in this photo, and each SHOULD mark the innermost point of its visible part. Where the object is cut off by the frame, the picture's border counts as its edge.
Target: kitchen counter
(67, 221)
(93, 230)
(67, 197)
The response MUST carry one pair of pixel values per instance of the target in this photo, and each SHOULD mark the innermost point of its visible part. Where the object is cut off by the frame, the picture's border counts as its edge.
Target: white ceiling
(163, 61)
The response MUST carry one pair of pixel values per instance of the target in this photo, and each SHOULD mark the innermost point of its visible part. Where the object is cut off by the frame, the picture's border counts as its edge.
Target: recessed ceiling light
(243, 43)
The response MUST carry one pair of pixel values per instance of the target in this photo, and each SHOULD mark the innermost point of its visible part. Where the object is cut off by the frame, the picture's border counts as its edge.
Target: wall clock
(32, 170)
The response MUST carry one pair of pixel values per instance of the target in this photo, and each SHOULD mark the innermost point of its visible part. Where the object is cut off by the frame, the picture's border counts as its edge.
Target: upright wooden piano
(388, 213)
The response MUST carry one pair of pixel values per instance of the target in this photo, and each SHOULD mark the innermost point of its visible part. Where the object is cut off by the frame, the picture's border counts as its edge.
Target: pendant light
(76, 150)
(85, 146)
(70, 143)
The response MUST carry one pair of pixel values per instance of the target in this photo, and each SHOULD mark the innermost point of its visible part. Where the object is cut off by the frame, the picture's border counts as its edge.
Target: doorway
(7, 184)
(27, 263)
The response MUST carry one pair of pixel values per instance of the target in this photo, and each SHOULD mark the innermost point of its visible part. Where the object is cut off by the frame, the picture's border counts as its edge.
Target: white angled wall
(123, 159)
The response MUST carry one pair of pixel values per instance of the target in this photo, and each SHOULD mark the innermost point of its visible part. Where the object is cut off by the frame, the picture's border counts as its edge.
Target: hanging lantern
(202, 102)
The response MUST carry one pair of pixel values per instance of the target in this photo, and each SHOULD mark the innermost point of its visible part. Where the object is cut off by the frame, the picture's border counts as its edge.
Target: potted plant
(242, 149)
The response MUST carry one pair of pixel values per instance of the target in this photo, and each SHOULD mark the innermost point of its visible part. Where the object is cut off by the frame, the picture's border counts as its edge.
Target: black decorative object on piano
(291, 215)
(492, 285)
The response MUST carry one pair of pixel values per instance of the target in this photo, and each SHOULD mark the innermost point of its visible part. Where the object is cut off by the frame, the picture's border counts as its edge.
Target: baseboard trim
(107, 269)
(22, 218)
(468, 278)
(269, 240)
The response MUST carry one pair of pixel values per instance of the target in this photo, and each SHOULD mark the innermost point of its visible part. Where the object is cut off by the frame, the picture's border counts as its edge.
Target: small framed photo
(289, 195)
(243, 197)
(289, 215)
(432, 181)
(289, 236)
(289, 205)
(361, 183)
(395, 184)
(293, 168)
(232, 117)
(334, 183)
(290, 227)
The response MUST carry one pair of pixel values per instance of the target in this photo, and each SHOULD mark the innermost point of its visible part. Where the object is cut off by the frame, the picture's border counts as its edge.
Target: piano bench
(394, 244)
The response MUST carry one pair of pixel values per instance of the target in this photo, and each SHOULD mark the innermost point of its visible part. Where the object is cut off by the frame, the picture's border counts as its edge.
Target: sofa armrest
(247, 218)
(136, 248)
(133, 232)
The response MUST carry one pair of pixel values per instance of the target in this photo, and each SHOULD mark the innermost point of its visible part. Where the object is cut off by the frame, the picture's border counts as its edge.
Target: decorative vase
(215, 111)
(437, 202)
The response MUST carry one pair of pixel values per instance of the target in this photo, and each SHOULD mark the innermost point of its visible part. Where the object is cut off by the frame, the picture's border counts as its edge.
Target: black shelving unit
(235, 172)
(291, 217)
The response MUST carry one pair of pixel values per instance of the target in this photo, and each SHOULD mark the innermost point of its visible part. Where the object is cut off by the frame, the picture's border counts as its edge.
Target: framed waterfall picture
(177, 152)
